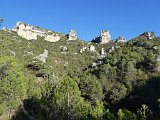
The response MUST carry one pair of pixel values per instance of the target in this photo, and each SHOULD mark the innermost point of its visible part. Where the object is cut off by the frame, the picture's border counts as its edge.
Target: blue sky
(88, 17)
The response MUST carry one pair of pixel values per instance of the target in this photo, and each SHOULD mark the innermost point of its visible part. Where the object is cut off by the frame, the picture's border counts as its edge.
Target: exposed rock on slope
(42, 57)
(30, 32)
(104, 38)
(72, 35)
(148, 35)
(121, 39)
(92, 48)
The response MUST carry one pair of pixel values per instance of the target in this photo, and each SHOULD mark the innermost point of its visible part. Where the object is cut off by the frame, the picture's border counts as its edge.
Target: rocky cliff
(30, 32)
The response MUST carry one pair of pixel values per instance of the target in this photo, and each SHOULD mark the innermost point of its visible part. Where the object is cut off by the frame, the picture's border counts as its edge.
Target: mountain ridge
(22, 28)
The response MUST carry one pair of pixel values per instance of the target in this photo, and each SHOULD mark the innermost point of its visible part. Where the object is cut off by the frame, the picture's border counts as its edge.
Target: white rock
(42, 57)
(92, 48)
(121, 39)
(111, 49)
(64, 48)
(30, 32)
(105, 37)
(52, 38)
(72, 35)
(102, 51)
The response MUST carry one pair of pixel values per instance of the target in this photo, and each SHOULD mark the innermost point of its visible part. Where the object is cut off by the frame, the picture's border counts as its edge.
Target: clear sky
(88, 17)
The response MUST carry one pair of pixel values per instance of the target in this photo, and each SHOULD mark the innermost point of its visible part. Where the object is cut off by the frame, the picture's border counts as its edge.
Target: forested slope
(76, 83)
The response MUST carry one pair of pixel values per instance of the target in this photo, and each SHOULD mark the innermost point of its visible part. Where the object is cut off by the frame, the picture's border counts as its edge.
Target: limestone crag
(72, 35)
(53, 37)
(121, 39)
(148, 35)
(31, 32)
(105, 37)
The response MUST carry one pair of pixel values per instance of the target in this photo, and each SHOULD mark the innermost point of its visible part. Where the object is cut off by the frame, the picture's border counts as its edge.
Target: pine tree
(12, 84)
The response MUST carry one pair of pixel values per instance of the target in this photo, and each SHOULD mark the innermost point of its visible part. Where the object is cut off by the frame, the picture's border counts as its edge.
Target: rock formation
(83, 49)
(72, 35)
(64, 48)
(121, 39)
(105, 37)
(42, 57)
(53, 37)
(92, 48)
(31, 32)
(102, 51)
(111, 49)
(148, 35)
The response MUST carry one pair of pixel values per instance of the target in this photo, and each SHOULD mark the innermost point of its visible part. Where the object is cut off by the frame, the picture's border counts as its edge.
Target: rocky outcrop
(148, 35)
(53, 37)
(63, 48)
(156, 47)
(72, 35)
(83, 49)
(111, 49)
(42, 57)
(92, 48)
(31, 32)
(104, 38)
(102, 51)
(121, 39)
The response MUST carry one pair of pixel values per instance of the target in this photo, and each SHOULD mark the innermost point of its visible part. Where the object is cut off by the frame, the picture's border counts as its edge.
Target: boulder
(42, 57)
(83, 49)
(102, 51)
(64, 48)
(92, 48)
(111, 49)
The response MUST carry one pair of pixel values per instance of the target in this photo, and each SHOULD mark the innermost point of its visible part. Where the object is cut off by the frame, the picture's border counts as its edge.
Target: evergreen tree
(12, 84)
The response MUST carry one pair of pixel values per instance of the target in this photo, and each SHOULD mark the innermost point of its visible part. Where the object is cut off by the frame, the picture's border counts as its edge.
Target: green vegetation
(74, 85)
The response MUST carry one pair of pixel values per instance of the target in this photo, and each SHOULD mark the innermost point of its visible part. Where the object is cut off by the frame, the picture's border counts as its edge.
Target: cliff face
(105, 37)
(30, 32)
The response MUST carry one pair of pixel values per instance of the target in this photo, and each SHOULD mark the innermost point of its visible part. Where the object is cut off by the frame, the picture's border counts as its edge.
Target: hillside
(47, 75)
